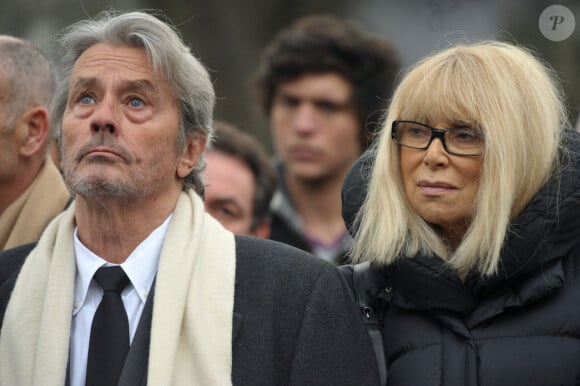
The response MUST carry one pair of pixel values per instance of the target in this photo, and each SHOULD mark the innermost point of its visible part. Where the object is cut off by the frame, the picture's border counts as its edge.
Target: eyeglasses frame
(435, 133)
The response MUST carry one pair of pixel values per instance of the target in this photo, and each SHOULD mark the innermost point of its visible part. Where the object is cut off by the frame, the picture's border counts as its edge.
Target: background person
(471, 223)
(32, 191)
(240, 182)
(323, 83)
(135, 283)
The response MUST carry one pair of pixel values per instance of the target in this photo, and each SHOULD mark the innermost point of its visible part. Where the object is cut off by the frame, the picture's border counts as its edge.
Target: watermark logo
(557, 23)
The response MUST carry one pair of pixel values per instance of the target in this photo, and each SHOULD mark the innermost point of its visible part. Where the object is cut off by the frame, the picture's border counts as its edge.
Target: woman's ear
(194, 150)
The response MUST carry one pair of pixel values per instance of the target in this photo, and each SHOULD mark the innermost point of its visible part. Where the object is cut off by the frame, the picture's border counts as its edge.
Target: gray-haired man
(192, 303)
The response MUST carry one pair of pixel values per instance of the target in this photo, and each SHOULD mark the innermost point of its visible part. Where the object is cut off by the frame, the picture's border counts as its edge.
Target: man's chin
(313, 176)
(95, 187)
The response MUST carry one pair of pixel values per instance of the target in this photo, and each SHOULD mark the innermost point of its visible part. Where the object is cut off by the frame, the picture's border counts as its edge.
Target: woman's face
(440, 187)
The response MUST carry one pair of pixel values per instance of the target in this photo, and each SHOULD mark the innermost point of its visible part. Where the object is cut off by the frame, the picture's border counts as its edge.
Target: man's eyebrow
(84, 83)
(227, 200)
(139, 84)
(126, 85)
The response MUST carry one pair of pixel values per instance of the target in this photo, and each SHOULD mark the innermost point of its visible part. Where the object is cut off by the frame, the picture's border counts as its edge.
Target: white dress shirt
(140, 267)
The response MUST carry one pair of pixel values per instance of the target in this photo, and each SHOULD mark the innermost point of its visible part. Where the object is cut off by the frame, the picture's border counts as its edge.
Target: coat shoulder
(253, 253)
(296, 322)
(11, 262)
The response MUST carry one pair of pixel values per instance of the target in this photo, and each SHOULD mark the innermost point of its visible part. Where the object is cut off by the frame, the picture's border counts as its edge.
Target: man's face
(315, 128)
(120, 127)
(229, 191)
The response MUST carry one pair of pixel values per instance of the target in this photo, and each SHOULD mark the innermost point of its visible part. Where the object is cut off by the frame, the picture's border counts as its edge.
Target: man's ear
(262, 231)
(195, 147)
(33, 129)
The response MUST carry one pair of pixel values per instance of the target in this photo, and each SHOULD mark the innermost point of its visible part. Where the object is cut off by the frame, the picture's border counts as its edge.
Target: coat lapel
(135, 369)
(236, 324)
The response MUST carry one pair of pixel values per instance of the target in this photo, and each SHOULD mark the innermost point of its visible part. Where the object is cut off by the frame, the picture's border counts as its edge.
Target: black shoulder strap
(370, 316)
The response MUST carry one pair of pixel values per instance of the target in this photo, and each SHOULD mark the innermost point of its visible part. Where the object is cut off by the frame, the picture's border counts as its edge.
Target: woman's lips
(435, 188)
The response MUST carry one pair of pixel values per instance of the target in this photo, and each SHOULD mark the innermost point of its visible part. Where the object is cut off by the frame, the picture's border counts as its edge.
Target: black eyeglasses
(456, 141)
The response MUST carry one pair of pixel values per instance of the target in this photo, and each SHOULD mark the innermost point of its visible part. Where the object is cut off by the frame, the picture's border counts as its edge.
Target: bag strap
(370, 316)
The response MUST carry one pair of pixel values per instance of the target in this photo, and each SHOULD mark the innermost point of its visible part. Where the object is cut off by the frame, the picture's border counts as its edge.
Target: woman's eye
(136, 102)
(468, 136)
(417, 132)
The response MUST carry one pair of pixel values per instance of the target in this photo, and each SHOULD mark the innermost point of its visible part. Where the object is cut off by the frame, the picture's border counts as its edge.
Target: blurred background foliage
(228, 35)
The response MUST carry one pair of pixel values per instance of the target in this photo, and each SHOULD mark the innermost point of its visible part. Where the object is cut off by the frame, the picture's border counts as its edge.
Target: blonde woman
(471, 224)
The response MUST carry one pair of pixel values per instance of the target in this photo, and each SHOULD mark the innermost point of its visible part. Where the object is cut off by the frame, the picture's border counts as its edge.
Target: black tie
(109, 342)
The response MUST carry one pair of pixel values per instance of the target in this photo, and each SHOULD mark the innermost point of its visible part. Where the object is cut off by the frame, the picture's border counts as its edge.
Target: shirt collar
(140, 266)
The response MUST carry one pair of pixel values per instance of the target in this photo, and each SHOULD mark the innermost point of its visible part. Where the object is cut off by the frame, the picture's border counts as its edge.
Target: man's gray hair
(170, 58)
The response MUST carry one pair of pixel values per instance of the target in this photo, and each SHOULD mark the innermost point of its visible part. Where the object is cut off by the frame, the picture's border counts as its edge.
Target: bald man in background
(32, 190)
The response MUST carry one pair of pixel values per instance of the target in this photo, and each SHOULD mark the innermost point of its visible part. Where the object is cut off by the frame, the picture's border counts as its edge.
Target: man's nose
(305, 118)
(104, 119)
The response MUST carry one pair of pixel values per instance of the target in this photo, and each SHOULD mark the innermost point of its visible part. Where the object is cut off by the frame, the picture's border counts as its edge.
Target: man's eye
(136, 102)
(86, 100)
(290, 101)
(226, 212)
(328, 107)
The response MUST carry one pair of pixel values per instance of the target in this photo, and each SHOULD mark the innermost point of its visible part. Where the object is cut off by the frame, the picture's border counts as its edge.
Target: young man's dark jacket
(518, 327)
(294, 319)
(286, 227)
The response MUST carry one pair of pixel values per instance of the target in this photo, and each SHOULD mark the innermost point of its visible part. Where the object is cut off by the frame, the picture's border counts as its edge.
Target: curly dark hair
(322, 43)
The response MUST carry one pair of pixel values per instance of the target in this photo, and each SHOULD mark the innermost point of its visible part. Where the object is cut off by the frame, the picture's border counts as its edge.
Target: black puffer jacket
(519, 327)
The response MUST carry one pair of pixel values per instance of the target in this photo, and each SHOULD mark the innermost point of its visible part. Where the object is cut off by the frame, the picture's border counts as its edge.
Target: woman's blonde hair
(499, 88)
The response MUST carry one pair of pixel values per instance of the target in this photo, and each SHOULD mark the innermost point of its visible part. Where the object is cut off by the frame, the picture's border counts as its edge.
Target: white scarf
(191, 332)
